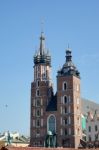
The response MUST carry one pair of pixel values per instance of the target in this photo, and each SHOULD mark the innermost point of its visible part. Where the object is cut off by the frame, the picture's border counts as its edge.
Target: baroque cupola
(69, 68)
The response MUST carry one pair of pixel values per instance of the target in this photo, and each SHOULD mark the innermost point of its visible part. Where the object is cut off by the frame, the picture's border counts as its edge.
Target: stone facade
(92, 127)
(57, 116)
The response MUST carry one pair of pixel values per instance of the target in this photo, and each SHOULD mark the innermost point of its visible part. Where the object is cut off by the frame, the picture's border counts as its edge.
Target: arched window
(52, 123)
(38, 113)
(65, 99)
(64, 86)
(66, 121)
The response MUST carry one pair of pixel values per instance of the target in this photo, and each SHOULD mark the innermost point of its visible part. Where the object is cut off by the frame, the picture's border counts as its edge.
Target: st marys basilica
(55, 118)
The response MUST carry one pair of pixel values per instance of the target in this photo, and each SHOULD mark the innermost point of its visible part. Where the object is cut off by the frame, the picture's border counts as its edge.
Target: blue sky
(65, 21)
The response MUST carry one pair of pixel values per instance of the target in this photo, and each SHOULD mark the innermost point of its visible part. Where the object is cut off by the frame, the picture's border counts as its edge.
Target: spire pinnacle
(68, 54)
(42, 43)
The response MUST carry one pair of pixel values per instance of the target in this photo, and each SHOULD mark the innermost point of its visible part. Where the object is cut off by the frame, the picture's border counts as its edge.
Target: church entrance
(51, 131)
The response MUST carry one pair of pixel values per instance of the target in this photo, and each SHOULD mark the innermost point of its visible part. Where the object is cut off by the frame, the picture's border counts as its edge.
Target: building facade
(90, 111)
(92, 127)
(55, 118)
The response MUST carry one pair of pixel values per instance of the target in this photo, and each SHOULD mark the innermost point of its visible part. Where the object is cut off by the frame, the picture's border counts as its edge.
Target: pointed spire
(68, 54)
(42, 43)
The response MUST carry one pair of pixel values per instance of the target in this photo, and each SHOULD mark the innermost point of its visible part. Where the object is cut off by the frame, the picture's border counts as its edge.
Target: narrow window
(66, 121)
(65, 99)
(89, 128)
(51, 124)
(38, 113)
(96, 136)
(96, 128)
(65, 86)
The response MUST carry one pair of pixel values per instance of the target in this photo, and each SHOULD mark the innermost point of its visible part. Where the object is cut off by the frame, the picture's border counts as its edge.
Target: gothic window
(64, 86)
(37, 93)
(65, 99)
(38, 113)
(52, 123)
(66, 121)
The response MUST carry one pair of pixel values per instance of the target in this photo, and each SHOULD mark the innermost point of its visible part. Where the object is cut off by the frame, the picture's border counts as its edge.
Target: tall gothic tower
(69, 104)
(41, 92)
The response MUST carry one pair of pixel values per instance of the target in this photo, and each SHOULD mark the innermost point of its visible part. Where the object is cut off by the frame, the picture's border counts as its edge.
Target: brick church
(55, 119)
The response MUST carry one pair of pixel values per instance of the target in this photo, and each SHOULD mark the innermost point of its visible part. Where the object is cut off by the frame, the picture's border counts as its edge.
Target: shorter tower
(69, 104)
